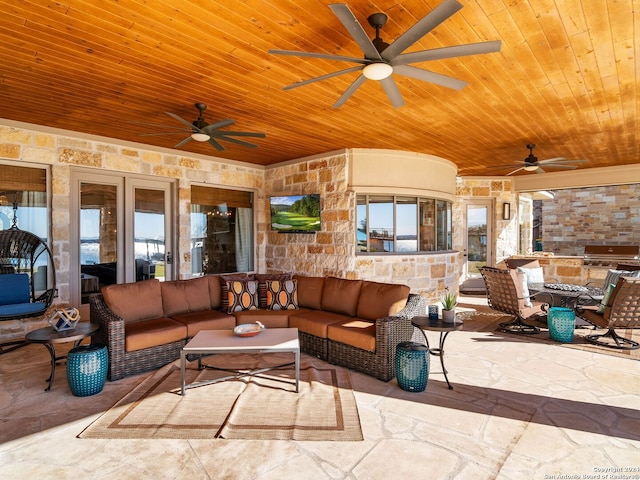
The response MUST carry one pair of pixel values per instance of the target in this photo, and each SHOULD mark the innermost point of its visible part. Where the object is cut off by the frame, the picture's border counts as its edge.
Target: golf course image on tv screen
(295, 213)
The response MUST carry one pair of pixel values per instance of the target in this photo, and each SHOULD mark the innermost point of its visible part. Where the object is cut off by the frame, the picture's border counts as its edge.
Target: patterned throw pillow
(242, 295)
(282, 295)
(231, 277)
(262, 284)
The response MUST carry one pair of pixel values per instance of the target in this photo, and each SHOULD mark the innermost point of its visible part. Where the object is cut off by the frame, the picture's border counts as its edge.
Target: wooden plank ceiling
(565, 79)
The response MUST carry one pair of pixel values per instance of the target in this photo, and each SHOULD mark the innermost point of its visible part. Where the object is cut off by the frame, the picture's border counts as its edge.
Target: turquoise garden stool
(87, 369)
(562, 323)
(412, 366)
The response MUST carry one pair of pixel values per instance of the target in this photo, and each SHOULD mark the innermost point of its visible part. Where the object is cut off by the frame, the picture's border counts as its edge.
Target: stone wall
(333, 250)
(595, 215)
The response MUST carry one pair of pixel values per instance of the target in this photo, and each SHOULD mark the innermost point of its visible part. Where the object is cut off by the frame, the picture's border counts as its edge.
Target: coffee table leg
(182, 371)
(297, 370)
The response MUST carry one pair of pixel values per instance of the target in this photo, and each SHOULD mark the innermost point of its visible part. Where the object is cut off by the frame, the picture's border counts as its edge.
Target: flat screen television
(295, 213)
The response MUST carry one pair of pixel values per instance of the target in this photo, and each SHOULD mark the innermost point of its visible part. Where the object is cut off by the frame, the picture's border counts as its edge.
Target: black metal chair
(505, 294)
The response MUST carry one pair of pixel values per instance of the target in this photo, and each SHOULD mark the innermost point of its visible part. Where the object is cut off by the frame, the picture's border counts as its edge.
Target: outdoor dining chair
(621, 311)
(506, 293)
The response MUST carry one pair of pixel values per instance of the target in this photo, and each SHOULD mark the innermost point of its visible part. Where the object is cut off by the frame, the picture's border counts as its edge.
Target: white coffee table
(271, 340)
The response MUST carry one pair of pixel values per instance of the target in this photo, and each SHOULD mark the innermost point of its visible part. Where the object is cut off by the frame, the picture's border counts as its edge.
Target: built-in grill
(609, 256)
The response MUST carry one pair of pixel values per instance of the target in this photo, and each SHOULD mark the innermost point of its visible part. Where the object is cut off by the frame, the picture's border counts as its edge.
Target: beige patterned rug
(481, 318)
(264, 407)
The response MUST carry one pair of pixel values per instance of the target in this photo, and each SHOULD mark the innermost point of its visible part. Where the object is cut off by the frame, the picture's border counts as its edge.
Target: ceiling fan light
(531, 168)
(200, 137)
(377, 71)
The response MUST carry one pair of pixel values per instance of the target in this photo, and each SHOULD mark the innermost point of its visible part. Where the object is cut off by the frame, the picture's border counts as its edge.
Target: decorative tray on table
(248, 329)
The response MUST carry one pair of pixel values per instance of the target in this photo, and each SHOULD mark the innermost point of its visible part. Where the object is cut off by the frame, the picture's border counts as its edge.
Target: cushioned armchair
(505, 293)
(622, 311)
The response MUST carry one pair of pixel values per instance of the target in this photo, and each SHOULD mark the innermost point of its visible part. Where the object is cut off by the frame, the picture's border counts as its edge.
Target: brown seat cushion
(309, 291)
(135, 301)
(356, 332)
(205, 320)
(379, 300)
(185, 296)
(315, 322)
(269, 318)
(340, 295)
(151, 333)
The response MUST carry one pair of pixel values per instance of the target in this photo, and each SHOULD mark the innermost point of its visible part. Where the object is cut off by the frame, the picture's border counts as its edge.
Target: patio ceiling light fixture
(377, 71)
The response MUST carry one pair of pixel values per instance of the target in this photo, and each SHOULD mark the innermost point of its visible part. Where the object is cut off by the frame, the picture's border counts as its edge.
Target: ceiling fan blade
(350, 91)
(182, 132)
(516, 170)
(427, 23)
(239, 142)
(551, 160)
(186, 140)
(562, 161)
(391, 89)
(561, 166)
(182, 120)
(539, 170)
(322, 77)
(325, 56)
(215, 144)
(447, 52)
(221, 124)
(240, 134)
(431, 77)
(354, 28)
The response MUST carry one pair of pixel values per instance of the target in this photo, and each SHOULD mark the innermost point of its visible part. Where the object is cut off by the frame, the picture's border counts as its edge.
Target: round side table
(445, 328)
(49, 338)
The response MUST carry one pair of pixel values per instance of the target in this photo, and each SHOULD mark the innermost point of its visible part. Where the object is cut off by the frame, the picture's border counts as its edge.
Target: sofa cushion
(282, 294)
(379, 300)
(262, 284)
(269, 318)
(315, 322)
(135, 301)
(152, 332)
(184, 296)
(340, 295)
(310, 291)
(356, 332)
(205, 320)
(224, 290)
(242, 295)
(215, 292)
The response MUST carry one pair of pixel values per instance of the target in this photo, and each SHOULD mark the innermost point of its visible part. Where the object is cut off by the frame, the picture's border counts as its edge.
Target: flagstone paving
(519, 410)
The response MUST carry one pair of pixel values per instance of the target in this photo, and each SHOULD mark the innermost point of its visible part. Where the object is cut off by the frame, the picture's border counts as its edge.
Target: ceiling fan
(381, 59)
(532, 164)
(201, 131)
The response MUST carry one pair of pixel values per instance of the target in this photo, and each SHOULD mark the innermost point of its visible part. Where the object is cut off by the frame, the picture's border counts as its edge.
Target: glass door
(123, 230)
(150, 242)
(478, 241)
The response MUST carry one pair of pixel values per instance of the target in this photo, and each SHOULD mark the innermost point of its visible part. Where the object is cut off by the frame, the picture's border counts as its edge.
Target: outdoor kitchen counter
(561, 268)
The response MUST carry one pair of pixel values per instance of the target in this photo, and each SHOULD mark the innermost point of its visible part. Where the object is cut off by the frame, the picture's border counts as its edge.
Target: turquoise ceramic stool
(412, 366)
(562, 323)
(87, 369)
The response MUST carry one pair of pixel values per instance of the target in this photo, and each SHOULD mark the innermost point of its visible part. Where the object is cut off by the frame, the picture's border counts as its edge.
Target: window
(221, 230)
(400, 224)
(23, 199)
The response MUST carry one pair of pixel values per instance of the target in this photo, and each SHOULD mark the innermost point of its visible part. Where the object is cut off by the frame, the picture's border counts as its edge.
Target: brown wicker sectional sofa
(353, 323)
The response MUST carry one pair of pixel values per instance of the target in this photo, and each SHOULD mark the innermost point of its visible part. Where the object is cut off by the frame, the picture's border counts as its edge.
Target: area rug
(481, 318)
(263, 407)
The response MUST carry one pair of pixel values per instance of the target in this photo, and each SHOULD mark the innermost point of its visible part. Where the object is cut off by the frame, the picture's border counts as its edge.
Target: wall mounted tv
(295, 213)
